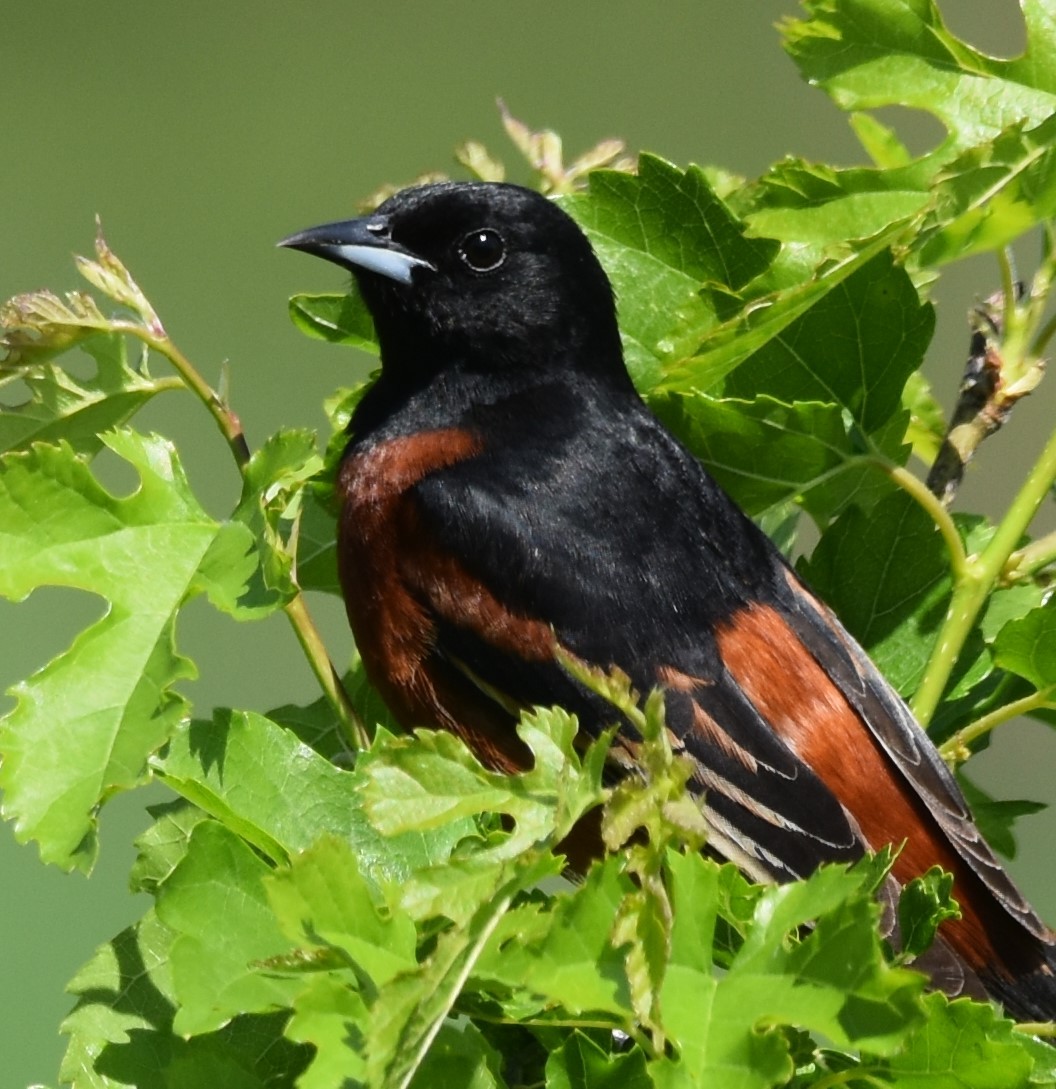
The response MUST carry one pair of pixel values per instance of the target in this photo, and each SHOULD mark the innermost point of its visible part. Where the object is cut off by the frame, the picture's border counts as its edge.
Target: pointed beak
(360, 245)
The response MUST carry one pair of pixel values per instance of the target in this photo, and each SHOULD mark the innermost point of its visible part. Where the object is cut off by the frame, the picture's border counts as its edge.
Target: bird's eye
(483, 250)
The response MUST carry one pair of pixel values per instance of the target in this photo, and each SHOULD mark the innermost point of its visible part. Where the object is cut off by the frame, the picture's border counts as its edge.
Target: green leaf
(662, 234)
(579, 1063)
(993, 193)
(329, 1015)
(85, 724)
(558, 952)
(266, 785)
(125, 988)
(870, 53)
(763, 452)
(416, 1004)
(338, 319)
(317, 544)
(62, 408)
(834, 981)
(923, 906)
(422, 782)
(121, 1030)
(880, 141)
(855, 347)
(828, 210)
(927, 421)
(997, 818)
(272, 494)
(990, 179)
(218, 970)
(162, 846)
(886, 575)
(460, 1056)
(1027, 647)
(317, 725)
(317, 532)
(962, 1045)
(322, 900)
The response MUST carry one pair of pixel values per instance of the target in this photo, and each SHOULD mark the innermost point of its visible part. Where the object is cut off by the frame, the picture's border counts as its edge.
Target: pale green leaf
(323, 900)
(872, 53)
(271, 788)
(338, 319)
(225, 929)
(963, 1045)
(330, 1015)
(85, 724)
(78, 411)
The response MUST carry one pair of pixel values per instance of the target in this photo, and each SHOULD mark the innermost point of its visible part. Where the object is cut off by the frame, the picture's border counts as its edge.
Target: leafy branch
(331, 912)
(40, 324)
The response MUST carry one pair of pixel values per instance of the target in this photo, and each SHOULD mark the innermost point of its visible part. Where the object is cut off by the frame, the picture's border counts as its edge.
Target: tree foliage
(338, 905)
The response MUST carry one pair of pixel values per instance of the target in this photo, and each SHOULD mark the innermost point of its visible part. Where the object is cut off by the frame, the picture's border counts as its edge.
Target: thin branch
(229, 424)
(315, 651)
(981, 572)
(957, 749)
(939, 514)
(987, 392)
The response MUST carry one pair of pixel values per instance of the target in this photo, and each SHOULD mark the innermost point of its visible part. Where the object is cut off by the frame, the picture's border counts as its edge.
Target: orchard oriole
(505, 492)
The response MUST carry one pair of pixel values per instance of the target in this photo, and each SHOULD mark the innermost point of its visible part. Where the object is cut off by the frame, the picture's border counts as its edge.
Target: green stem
(229, 424)
(976, 582)
(1036, 1028)
(956, 749)
(296, 610)
(315, 651)
(1041, 341)
(939, 514)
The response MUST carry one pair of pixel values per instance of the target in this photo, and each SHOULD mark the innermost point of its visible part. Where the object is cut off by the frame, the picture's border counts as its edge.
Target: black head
(483, 275)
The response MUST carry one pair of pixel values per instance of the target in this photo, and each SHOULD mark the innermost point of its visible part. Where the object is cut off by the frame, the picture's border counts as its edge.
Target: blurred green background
(201, 133)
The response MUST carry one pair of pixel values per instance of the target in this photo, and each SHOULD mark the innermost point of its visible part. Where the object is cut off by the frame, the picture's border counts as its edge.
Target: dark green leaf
(460, 1056)
(763, 452)
(996, 819)
(662, 234)
(1027, 646)
(855, 348)
(886, 575)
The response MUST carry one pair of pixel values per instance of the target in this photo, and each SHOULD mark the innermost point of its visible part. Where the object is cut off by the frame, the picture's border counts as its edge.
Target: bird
(507, 498)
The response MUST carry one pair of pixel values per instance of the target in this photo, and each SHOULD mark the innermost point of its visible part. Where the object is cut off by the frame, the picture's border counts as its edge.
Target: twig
(986, 398)
(956, 749)
(296, 610)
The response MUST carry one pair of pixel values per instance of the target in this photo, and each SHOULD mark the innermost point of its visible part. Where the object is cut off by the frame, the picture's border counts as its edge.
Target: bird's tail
(1029, 995)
